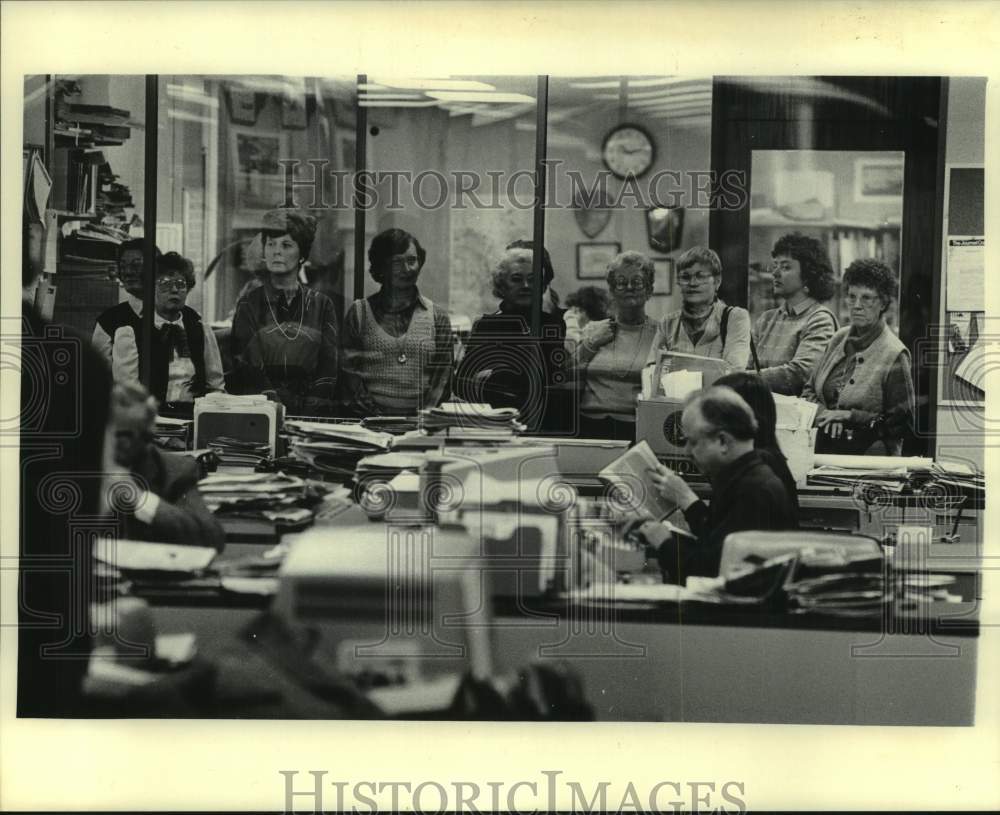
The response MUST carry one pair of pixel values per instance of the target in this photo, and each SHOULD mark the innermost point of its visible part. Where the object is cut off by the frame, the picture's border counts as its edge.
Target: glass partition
(850, 201)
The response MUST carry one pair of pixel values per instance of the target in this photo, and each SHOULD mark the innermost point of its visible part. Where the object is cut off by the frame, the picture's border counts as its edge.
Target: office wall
(959, 428)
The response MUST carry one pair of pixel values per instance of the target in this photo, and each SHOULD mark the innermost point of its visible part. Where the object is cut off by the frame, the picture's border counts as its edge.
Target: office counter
(669, 662)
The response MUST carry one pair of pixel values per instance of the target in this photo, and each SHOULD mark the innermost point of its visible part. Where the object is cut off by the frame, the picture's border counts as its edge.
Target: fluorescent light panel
(435, 84)
(472, 96)
(381, 103)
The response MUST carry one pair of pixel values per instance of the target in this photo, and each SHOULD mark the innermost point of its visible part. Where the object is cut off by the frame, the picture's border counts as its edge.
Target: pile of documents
(960, 478)
(842, 593)
(334, 449)
(239, 453)
(283, 500)
(890, 473)
(471, 419)
(390, 424)
(172, 434)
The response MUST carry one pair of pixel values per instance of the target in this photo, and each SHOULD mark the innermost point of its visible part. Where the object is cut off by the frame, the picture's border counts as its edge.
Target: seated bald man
(168, 507)
(746, 492)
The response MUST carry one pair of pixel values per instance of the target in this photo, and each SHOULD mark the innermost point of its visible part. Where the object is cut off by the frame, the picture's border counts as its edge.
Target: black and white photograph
(467, 405)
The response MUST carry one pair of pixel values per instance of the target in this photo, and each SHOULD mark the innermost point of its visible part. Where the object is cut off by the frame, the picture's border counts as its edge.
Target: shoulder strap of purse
(723, 329)
(724, 325)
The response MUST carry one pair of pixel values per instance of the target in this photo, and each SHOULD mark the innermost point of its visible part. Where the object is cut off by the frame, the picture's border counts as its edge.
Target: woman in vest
(184, 361)
(863, 384)
(285, 338)
(704, 325)
(397, 344)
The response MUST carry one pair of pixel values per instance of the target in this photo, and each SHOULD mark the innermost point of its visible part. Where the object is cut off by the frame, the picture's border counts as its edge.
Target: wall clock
(628, 150)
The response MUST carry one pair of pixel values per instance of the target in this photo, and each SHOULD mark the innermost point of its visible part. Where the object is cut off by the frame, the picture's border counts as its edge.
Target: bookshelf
(90, 211)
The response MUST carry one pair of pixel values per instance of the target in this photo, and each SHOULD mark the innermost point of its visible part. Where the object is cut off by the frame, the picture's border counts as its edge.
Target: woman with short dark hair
(397, 343)
(184, 361)
(791, 338)
(863, 382)
(285, 336)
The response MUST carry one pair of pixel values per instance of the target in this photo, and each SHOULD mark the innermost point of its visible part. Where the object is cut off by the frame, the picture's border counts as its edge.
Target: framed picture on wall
(878, 181)
(258, 178)
(242, 105)
(293, 111)
(663, 275)
(592, 259)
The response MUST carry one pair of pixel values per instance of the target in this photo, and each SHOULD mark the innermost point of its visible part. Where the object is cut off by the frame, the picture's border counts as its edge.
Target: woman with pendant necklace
(611, 353)
(397, 343)
(704, 325)
(285, 336)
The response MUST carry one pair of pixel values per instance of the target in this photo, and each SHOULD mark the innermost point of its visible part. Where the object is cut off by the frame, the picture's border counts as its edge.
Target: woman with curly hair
(863, 383)
(790, 339)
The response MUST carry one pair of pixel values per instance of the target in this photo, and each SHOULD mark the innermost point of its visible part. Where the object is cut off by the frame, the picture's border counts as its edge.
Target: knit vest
(863, 390)
(396, 369)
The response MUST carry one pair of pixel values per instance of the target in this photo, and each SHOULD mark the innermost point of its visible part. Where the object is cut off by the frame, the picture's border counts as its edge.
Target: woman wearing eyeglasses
(504, 364)
(611, 354)
(285, 336)
(184, 361)
(862, 383)
(397, 343)
(704, 325)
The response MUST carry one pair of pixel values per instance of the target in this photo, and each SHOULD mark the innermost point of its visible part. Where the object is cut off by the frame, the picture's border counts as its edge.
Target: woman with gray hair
(704, 325)
(504, 365)
(612, 352)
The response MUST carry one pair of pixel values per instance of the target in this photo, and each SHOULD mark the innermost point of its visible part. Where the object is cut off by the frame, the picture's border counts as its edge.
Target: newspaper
(631, 474)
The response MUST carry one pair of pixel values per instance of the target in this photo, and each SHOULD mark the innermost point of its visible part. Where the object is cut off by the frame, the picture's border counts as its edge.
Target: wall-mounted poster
(878, 180)
(242, 105)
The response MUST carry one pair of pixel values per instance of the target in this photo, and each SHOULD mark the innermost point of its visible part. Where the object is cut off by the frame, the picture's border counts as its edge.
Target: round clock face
(628, 150)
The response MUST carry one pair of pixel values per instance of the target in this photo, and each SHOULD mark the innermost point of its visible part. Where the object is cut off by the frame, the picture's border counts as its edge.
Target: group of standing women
(394, 354)
(858, 375)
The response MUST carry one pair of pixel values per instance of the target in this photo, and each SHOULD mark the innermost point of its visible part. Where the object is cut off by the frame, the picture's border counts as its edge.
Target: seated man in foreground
(746, 493)
(166, 507)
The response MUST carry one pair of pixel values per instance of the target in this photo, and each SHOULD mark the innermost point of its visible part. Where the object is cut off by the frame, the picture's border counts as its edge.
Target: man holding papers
(719, 428)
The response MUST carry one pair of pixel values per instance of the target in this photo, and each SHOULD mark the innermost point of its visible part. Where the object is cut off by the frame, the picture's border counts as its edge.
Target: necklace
(280, 327)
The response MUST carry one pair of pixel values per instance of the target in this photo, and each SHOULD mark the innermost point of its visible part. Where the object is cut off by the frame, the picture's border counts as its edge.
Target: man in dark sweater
(746, 493)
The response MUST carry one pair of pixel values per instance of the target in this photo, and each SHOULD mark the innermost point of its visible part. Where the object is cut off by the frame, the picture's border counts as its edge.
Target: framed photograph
(663, 275)
(242, 105)
(293, 111)
(258, 178)
(592, 259)
(878, 181)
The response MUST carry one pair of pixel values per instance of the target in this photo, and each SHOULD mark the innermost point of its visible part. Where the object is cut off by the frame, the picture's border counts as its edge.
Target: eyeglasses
(171, 285)
(621, 284)
(698, 277)
(866, 300)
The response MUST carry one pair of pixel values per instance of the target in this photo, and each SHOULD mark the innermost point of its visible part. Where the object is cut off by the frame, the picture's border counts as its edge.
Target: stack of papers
(470, 419)
(891, 473)
(843, 594)
(171, 434)
(275, 497)
(794, 413)
(334, 449)
(390, 424)
(236, 452)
